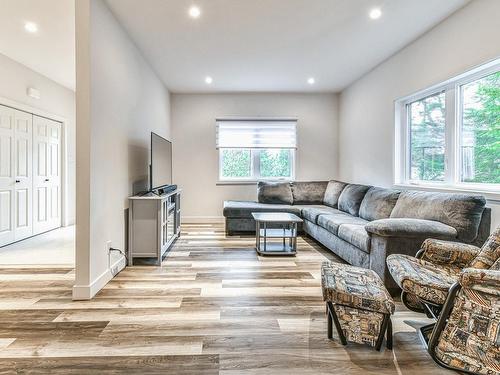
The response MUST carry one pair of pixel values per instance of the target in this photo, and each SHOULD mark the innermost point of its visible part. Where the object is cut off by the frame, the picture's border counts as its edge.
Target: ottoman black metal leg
(330, 323)
(383, 329)
(388, 342)
(332, 315)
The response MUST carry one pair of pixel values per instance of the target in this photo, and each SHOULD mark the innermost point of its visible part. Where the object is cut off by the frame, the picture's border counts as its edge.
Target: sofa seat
(332, 222)
(313, 212)
(356, 235)
(422, 278)
(244, 209)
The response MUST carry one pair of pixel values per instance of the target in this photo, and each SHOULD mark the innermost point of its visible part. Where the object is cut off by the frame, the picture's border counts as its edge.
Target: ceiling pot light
(311, 81)
(375, 13)
(208, 80)
(31, 27)
(194, 11)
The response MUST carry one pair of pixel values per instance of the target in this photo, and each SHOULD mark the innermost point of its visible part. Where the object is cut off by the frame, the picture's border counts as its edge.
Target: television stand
(154, 225)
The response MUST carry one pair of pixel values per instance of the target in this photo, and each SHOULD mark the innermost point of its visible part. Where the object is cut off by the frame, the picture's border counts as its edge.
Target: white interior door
(7, 184)
(23, 176)
(46, 174)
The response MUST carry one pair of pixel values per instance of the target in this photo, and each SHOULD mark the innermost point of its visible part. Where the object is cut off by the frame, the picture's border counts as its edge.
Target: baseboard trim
(202, 219)
(87, 292)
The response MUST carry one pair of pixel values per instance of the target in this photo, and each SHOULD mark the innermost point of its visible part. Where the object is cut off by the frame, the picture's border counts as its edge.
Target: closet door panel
(7, 181)
(47, 174)
(23, 199)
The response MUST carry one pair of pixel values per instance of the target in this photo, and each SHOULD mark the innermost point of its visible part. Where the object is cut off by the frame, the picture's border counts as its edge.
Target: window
(449, 135)
(251, 150)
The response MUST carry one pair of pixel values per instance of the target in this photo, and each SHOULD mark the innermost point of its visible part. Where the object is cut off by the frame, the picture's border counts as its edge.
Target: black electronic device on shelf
(160, 169)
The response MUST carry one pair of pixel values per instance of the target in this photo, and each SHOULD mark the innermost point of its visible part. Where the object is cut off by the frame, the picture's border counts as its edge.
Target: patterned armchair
(426, 279)
(466, 336)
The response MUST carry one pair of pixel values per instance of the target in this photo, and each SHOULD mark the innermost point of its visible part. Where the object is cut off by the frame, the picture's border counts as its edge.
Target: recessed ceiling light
(208, 80)
(194, 11)
(311, 81)
(31, 27)
(375, 13)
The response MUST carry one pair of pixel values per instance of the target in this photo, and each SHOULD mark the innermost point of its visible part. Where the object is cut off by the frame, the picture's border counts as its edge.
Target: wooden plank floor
(214, 307)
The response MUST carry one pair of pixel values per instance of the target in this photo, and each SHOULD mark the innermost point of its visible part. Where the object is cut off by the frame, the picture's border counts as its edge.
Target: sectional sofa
(364, 224)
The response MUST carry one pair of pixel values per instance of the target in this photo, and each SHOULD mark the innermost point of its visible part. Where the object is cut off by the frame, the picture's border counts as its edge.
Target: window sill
(491, 196)
(246, 182)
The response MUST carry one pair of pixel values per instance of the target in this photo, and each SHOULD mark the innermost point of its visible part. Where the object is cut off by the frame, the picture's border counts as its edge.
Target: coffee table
(280, 225)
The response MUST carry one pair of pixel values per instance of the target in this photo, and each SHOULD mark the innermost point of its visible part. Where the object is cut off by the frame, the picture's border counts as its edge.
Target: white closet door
(46, 174)
(7, 166)
(23, 184)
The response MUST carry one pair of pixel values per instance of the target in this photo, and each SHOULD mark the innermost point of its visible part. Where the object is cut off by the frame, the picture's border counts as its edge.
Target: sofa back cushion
(332, 193)
(351, 197)
(311, 192)
(460, 211)
(378, 203)
(274, 192)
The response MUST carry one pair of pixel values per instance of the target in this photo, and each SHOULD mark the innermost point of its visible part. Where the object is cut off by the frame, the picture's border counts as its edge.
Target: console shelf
(154, 225)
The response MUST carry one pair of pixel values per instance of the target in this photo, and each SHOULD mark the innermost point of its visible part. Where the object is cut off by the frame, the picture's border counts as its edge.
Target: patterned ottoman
(358, 303)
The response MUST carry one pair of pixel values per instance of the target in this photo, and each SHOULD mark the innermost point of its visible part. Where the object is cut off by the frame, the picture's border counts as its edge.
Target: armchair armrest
(485, 281)
(411, 228)
(448, 253)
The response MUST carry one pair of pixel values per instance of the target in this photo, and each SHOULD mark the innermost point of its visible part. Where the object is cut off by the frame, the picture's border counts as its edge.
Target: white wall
(120, 100)
(55, 99)
(366, 134)
(196, 159)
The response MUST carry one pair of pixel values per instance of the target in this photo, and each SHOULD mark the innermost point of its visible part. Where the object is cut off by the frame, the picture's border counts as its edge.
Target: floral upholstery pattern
(355, 287)
(470, 340)
(422, 278)
(449, 253)
(360, 300)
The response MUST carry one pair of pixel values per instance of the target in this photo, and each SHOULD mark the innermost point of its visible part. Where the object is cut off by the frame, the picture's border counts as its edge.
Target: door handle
(47, 180)
(18, 181)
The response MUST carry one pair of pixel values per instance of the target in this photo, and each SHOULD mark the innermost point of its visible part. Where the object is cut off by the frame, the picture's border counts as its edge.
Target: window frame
(452, 89)
(255, 167)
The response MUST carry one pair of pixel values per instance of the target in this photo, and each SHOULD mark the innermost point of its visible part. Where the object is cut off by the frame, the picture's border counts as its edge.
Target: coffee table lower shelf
(276, 249)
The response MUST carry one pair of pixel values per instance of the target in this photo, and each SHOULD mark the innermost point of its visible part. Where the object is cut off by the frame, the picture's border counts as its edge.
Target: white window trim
(255, 168)
(453, 116)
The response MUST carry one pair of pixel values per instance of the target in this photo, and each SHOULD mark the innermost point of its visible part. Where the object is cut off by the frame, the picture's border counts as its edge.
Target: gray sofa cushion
(356, 235)
(313, 212)
(311, 192)
(411, 228)
(460, 211)
(378, 203)
(274, 192)
(351, 197)
(332, 193)
(244, 209)
(332, 222)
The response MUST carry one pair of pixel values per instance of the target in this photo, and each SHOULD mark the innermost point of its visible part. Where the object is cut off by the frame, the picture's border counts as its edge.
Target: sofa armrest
(448, 252)
(410, 228)
(484, 281)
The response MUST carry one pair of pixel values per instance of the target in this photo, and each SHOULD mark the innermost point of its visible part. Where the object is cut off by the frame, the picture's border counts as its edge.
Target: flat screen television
(161, 162)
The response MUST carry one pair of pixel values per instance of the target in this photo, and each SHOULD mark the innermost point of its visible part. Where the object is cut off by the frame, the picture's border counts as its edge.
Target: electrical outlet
(108, 246)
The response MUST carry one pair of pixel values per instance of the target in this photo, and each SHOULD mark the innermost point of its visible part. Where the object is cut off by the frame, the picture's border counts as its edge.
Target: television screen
(161, 162)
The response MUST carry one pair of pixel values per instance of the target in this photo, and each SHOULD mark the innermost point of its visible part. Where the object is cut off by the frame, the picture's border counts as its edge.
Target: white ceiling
(50, 51)
(273, 45)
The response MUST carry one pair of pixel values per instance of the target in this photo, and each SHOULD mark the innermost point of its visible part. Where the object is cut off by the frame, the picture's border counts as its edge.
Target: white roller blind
(256, 133)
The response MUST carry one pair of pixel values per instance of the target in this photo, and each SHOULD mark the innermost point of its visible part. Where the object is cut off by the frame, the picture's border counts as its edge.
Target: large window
(449, 135)
(251, 150)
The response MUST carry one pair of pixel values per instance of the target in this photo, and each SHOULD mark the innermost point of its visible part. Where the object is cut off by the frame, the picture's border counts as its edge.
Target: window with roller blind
(252, 150)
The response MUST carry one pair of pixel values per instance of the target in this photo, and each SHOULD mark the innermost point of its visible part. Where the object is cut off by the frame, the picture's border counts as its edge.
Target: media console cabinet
(154, 224)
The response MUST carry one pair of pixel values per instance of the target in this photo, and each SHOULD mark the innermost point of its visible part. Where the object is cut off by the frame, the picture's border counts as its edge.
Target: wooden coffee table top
(276, 217)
